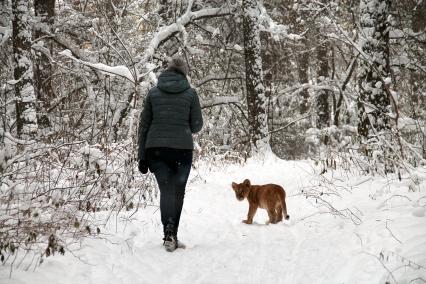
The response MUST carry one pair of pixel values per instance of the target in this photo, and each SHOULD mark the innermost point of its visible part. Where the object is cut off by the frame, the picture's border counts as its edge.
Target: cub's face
(241, 189)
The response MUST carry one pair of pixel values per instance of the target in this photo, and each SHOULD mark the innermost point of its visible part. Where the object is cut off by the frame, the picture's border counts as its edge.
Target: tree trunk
(303, 54)
(418, 24)
(45, 12)
(26, 114)
(256, 99)
(302, 71)
(323, 107)
(4, 19)
(373, 102)
(418, 21)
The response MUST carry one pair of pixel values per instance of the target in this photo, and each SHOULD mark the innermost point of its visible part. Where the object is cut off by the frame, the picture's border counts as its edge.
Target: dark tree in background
(43, 72)
(299, 21)
(323, 96)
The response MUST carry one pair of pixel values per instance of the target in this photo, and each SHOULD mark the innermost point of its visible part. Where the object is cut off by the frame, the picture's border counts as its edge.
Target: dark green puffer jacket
(170, 115)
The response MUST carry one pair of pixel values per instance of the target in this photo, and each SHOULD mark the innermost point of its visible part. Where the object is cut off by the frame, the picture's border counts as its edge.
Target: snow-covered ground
(343, 228)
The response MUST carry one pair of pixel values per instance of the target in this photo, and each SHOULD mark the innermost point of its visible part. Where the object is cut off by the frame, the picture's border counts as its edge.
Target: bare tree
(302, 71)
(323, 107)
(26, 115)
(45, 12)
(302, 57)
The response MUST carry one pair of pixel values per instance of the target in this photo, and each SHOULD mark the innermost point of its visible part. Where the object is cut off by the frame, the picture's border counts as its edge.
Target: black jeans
(171, 168)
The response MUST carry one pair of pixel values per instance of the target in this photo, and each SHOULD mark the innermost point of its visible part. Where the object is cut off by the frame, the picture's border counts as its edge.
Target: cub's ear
(246, 182)
(234, 185)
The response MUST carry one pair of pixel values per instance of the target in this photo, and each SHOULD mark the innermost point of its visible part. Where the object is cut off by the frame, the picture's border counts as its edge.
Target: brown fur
(269, 196)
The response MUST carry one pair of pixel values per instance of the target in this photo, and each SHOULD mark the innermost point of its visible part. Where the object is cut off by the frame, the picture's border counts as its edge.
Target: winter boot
(170, 238)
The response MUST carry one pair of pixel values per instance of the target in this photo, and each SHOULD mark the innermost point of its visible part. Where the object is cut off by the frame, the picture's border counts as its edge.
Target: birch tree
(255, 91)
(26, 116)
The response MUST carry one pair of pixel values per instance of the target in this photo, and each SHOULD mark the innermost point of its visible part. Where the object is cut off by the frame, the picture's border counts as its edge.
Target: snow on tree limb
(220, 101)
(121, 71)
(15, 140)
(209, 78)
(276, 30)
(161, 36)
(299, 88)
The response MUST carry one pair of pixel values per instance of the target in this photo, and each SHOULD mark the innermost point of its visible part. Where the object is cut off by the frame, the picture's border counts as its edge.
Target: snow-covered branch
(276, 30)
(121, 71)
(169, 31)
(65, 43)
(217, 78)
(299, 88)
(220, 101)
(289, 124)
(15, 140)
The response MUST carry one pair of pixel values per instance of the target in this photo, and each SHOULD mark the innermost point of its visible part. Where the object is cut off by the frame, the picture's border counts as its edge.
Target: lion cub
(269, 196)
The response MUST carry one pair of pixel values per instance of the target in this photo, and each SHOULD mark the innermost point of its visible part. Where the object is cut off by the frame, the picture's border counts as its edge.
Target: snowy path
(310, 248)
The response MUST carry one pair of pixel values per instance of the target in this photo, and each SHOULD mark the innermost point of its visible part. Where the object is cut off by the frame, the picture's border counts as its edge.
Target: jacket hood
(172, 82)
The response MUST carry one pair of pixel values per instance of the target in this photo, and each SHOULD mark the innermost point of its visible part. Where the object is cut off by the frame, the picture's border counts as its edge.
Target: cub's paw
(247, 222)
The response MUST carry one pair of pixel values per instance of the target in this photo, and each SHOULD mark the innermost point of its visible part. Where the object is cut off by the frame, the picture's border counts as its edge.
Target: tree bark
(26, 115)
(323, 106)
(373, 102)
(4, 18)
(45, 12)
(255, 91)
(302, 71)
(418, 21)
(303, 54)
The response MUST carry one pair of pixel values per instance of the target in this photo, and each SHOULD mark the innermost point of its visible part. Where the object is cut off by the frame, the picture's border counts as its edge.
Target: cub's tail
(286, 216)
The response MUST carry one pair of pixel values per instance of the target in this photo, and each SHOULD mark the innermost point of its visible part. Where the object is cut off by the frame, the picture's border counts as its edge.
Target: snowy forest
(327, 98)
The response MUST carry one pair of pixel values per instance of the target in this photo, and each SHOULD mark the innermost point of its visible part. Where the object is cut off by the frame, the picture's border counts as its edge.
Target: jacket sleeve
(144, 124)
(196, 119)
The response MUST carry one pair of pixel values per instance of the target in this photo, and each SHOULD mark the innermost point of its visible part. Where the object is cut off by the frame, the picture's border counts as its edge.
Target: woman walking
(171, 114)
